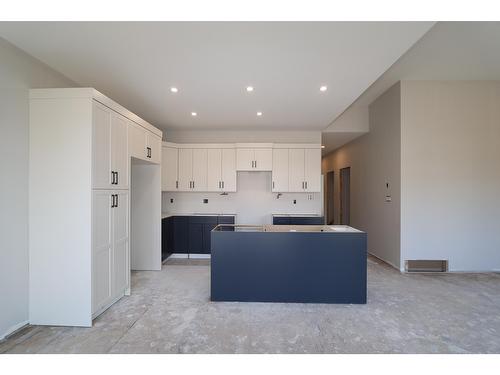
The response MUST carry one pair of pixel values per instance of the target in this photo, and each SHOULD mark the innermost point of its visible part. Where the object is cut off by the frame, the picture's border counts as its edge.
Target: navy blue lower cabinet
(195, 238)
(180, 234)
(306, 267)
(298, 220)
(281, 220)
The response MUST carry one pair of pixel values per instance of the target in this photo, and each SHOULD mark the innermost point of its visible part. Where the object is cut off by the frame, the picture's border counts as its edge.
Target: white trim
(199, 256)
(241, 145)
(178, 256)
(16, 327)
(91, 93)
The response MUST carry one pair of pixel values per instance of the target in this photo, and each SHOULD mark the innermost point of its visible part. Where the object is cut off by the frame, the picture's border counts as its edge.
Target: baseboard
(199, 256)
(178, 256)
(10, 331)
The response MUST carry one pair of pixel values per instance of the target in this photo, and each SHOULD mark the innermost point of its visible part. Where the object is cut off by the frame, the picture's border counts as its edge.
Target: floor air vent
(426, 265)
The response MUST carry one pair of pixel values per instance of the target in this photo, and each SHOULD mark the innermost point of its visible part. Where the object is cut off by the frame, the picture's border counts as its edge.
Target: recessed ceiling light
(322, 146)
(249, 88)
(194, 114)
(259, 113)
(174, 89)
(323, 88)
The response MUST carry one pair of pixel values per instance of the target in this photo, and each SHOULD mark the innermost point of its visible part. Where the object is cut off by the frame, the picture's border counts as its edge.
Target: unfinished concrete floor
(169, 312)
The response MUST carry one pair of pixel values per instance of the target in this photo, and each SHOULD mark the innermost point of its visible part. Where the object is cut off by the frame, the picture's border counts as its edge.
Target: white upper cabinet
(305, 170)
(169, 169)
(221, 166)
(312, 170)
(192, 169)
(254, 159)
(296, 169)
(143, 144)
(280, 170)
(199, 169)
(109, 149)
(228, 169)
(185, 172)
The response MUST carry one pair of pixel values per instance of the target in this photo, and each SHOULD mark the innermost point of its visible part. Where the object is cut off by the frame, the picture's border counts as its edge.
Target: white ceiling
(449, 51)
(212, 63)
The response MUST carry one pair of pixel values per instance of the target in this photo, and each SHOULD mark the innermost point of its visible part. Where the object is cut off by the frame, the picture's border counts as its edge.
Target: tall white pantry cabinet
(79, 202)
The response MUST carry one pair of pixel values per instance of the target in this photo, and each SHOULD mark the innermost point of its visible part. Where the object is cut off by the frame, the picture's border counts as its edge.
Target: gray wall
(18, 73)
(374, 159)
(450, 159)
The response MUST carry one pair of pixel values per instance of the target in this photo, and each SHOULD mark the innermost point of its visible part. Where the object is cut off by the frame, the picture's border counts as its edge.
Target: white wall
(450, 160)
(18, 73)
(253, 203)
(374, 160)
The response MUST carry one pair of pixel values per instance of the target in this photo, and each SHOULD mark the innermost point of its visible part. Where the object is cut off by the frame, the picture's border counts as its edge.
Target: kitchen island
(288, 263)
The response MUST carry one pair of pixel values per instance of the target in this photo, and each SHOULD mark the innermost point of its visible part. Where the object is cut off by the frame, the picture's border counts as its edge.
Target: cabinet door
(137, 141)
(263, 159)
(312, 169)
(181, 234)
(154, 144)
(185, 169)
(245, 159)
(101, 147)
(207, 233)
(196, 238)
(280, 170)
(120, 226)
(214, 165)
(228, 173)
(101, 249)
(169, 169)
(296, 170)
(119, 150)
(199, 169)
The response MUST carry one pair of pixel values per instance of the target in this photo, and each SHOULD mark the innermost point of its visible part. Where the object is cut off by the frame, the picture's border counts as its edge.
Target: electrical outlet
(205, 200)
(171, 200)
(295, 201)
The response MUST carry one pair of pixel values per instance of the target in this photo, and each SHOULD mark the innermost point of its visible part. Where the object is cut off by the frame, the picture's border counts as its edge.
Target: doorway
(330, 183)
(345, 196)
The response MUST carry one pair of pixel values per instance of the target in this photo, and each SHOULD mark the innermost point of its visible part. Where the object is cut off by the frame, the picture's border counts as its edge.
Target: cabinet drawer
(202, 219)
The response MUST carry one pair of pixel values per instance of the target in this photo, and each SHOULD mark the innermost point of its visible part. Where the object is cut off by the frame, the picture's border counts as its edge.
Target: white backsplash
(254, 203)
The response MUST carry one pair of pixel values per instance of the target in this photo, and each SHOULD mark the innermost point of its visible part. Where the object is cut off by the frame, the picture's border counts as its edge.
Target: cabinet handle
(306, 185)
(177, 184)
(112, 200)
(302, 185)
(273, 184)
(193, 184)
(223, 184)
(116, 182)
(112, 178)
(255, 163)
(116, 195)
(219, 185)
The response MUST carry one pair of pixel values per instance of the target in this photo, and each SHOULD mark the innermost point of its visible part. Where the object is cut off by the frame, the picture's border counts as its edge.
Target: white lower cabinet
(110, 244)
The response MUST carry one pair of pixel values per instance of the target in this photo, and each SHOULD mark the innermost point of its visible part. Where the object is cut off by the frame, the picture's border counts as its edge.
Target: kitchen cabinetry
(169, 169)
(79, 212)
(221, 168)
(297, 220)
(110, 246)
(143, 144)
(280, 170)
(192, 169)
(109, 152)
(254, 159)
(304, 170)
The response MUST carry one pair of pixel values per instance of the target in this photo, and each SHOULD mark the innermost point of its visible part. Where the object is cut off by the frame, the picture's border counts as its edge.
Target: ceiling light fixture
(194, 114)
(249, 88)
(259, 114)
(322, 146)
(323, 88)
(174, 89)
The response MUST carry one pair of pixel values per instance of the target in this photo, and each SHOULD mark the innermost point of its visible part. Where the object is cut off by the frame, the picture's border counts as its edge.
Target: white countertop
(168, 214)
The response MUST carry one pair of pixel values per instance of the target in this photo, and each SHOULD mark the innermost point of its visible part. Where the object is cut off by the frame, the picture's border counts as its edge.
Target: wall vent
(426, 266)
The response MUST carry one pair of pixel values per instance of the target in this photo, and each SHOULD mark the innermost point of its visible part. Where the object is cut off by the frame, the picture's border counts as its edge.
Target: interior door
(296, 169)
(263, 159)
(119, 150)
(169, 168)
(101, 147)
(185, 169)
(280, 170)
(214, 169)
(245, 158)
(312, 169)
(329, 198)
(200, 169)
(228, 172)
(101, 249)
(121, 268)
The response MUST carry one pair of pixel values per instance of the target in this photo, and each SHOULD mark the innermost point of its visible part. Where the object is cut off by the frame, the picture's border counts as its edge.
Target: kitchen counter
(169, 214)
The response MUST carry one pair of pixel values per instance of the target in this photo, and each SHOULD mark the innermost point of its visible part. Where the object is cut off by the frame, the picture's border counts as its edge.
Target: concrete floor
(170, 312)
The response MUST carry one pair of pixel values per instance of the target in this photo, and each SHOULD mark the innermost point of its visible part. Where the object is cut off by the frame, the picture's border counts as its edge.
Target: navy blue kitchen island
(288, 263)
